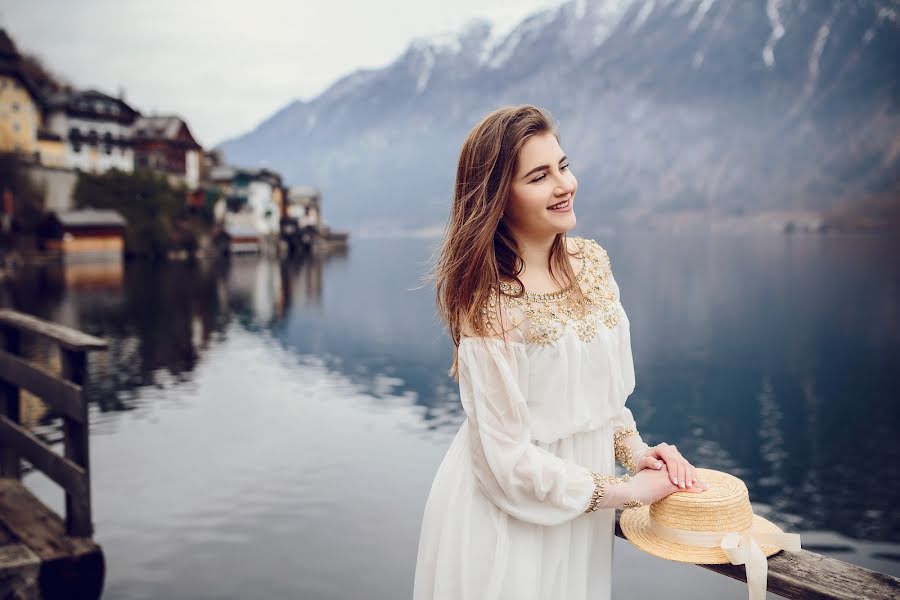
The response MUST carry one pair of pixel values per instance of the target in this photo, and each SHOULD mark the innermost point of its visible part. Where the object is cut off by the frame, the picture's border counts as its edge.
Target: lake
(270, 430)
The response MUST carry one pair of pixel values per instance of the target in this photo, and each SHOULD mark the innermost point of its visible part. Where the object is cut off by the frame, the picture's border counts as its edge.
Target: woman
(522, 506)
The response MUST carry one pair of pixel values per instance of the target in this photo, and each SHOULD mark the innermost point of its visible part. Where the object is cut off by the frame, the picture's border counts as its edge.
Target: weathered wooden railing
(806, 574)
(64, 556)
(64, 394)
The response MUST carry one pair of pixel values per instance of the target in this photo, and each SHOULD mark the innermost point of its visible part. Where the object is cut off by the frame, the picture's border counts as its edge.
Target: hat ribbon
(741, 547)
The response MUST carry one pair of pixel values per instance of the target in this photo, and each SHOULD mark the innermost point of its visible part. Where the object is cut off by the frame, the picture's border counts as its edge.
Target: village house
(85, 235)
(96, 129)
(20, 109)
(166, 145)
(250, 207)
(303, 206)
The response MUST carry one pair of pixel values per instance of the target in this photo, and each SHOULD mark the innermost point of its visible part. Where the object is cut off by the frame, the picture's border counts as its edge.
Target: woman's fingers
(654, 463)
(681, 473)
(669, 454)
(698, 487)
(650, 462)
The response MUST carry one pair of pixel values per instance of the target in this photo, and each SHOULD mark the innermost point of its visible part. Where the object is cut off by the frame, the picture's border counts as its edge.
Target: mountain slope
(669, 108)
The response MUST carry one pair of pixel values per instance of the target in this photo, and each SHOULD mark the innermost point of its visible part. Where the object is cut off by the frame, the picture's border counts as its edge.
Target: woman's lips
(566, 206)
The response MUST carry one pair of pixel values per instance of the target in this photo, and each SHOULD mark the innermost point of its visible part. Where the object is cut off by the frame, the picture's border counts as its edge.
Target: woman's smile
(564, 206)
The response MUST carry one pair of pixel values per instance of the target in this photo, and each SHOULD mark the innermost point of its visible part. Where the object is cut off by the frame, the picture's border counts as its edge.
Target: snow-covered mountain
(668, 109)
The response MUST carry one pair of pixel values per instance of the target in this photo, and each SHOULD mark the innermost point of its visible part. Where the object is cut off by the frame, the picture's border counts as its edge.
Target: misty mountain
(669, 109)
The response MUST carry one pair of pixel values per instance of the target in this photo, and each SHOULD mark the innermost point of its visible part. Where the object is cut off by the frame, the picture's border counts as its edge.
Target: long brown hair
(478, 249)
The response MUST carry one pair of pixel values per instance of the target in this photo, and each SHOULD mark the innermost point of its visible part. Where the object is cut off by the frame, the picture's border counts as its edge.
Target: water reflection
(776, 359)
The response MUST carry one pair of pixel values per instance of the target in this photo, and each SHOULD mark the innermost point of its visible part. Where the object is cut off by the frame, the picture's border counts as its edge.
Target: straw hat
(694, 526)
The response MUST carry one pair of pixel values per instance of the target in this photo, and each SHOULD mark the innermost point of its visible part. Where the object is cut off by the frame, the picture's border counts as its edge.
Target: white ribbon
(741, 547)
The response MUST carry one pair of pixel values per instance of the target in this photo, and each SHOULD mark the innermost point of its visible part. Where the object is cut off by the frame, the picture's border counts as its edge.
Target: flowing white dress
(505, 517)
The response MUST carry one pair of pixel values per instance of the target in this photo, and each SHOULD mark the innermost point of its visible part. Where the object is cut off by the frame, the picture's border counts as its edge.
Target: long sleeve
(629, 446)
(521, 478)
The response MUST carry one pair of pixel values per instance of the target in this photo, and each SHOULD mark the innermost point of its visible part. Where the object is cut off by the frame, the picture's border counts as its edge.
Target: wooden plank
(63, 471)
(10, 406)
(62, 335)
(37, 526)
(19, 572)
(806, 574)
(75, 439)
(14, 557)
(62, 395)
(6, 536)
(70, 567)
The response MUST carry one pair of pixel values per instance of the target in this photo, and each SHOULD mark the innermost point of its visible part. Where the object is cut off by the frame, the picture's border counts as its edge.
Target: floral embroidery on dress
(543, 317)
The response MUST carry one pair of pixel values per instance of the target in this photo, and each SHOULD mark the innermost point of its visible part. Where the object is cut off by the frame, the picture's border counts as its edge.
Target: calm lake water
(266, 430)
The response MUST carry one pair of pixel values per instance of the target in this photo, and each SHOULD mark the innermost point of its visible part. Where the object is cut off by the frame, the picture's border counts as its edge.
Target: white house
(96, 129)
(251, 206)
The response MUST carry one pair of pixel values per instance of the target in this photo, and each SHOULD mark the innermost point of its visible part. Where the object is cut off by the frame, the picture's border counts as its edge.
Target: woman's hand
(650, 485)
(681, 472)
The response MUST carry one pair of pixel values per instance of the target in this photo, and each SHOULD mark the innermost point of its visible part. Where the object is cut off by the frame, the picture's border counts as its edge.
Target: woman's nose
(565, 186)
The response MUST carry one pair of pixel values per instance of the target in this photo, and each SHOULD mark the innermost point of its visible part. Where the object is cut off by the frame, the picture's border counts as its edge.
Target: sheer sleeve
(629, 446)
(518, 476)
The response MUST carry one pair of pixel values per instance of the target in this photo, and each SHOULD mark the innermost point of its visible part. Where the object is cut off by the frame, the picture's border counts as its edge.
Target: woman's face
(542, 179)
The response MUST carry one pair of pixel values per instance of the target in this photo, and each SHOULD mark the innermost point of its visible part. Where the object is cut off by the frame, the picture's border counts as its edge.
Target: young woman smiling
(523, 504)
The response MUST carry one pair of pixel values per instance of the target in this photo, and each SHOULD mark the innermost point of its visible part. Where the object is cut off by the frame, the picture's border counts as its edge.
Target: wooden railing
(63, 393)
(806, 575)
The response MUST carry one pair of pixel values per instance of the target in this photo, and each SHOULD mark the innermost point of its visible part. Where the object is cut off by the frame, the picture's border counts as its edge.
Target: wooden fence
(65, 558)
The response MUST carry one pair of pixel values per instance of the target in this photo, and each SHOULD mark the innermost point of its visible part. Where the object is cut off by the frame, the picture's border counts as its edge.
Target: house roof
(92, 104)
(297, 192)
(7, 47)
(243, 175)
(168, 128)
(11, 65)
(91, 217)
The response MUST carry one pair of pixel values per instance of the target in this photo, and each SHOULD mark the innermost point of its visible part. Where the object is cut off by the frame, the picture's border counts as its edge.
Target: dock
(806, 575)
(43, 554)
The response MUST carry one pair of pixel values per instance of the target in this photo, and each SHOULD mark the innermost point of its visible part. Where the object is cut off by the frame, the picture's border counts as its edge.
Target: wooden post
(75, 436)
(10, 466)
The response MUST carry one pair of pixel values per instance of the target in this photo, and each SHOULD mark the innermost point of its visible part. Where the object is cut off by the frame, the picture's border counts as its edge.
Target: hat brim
(635, 524)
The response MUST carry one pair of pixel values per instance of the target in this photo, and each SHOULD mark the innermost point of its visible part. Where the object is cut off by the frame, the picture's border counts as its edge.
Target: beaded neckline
(536, 319)
(512, 288)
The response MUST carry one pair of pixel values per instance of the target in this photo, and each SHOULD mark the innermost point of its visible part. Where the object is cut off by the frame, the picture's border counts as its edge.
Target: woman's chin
(565, 224)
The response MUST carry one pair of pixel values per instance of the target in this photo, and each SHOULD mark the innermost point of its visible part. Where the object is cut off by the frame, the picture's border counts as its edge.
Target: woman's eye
(544, 175)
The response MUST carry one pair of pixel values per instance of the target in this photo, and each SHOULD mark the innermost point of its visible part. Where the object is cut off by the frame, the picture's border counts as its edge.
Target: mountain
(673, 111)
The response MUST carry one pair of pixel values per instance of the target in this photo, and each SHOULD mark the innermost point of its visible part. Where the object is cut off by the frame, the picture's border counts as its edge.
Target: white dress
(505, 517)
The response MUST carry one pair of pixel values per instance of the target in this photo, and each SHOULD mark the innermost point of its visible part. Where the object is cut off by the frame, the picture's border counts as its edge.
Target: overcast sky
(225, 66)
